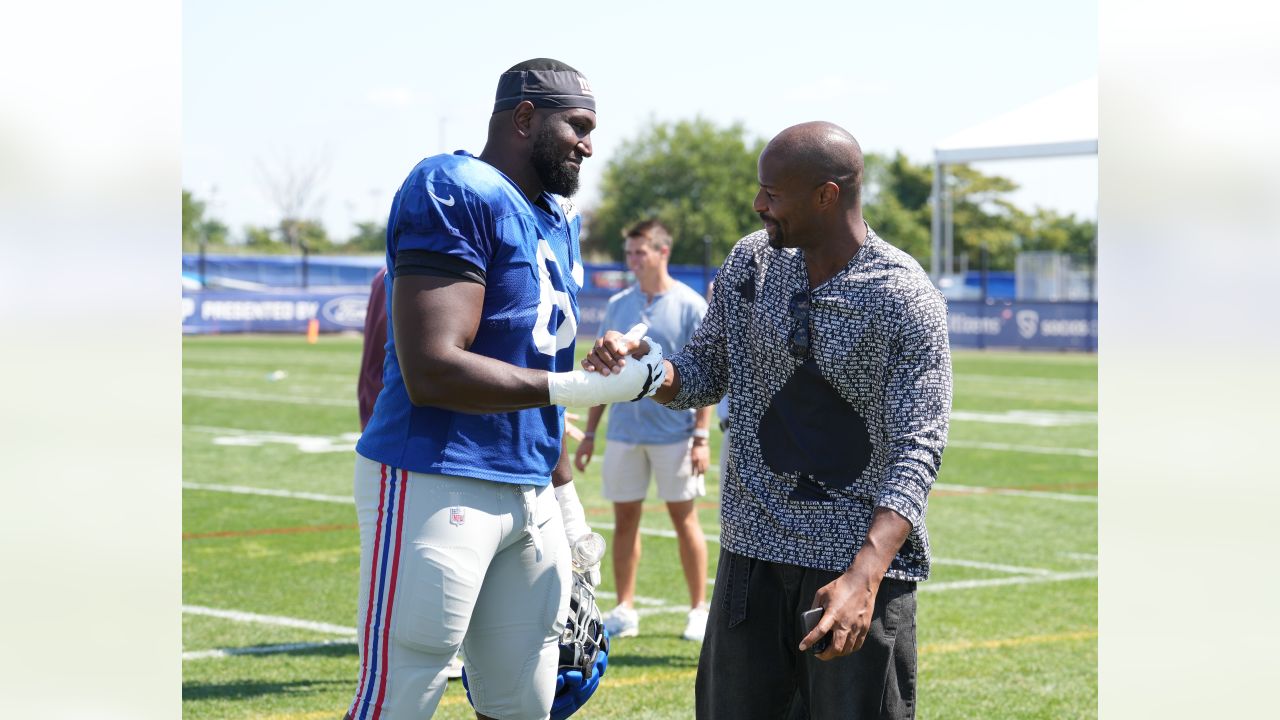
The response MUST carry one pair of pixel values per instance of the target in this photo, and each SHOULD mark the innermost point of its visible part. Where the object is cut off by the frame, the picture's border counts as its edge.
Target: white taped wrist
(637, 379)
(571, 512)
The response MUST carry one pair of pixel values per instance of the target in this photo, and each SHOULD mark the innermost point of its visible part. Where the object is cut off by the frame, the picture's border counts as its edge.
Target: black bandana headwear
(563, 87)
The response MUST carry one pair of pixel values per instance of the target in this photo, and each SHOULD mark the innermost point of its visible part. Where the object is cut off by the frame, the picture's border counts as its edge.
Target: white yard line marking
(975, 490)
(654, 604)
(993, 582)
(1014, 569)
(238, 616)
(1022, 380)
(648, 606)
(656, 532)
(248, 617)
(243, 490)
(1036, 418)
(262, 649)
(1003, 447)
(258, 373)
(1080, 556)
(351, 436)
(257, 438)
(259, 397)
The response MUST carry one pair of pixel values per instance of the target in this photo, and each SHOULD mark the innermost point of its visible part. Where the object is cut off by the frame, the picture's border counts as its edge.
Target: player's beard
(553, 168)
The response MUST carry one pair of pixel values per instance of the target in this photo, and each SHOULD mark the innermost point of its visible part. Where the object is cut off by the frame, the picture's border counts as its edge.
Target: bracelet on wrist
(589, 435)
(702, 433)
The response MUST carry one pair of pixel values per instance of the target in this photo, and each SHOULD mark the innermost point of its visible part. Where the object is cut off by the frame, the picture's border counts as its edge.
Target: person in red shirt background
(369, 383)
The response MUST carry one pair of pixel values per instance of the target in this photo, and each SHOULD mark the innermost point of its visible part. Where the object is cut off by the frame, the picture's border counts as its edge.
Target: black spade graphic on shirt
(809, 429)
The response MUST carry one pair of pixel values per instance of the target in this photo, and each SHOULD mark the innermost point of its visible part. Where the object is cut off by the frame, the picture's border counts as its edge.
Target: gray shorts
(628, 466)
(750, 667)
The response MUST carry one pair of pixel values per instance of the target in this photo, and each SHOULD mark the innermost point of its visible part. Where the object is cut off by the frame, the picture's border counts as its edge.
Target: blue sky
(365, 91)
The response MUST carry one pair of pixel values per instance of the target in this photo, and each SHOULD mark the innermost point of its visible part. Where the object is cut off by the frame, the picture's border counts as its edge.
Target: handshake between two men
(608, 377)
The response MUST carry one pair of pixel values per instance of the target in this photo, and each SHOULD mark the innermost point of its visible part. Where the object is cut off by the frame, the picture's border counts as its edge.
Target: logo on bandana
(456, 516)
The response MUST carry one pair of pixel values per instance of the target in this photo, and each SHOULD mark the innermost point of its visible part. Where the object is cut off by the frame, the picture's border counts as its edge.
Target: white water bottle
(586, 554)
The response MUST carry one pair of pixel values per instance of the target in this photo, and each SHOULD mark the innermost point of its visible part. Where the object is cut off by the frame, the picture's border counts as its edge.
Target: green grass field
(1008, 622)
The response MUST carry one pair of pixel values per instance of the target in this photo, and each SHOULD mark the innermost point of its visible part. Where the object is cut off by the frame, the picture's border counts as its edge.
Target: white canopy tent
(1058, 125)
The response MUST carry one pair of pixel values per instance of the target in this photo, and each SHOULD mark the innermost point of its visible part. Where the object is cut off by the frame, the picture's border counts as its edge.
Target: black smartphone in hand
(809, 620)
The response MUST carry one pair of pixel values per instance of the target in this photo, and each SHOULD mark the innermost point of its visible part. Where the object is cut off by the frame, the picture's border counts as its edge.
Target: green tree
(982, 215)
(697, 178)
(306, 232)
(192, 216)
(895, 201)
(1048, 230)
(215, 232)
(260, 239)
(370, 236)
(196, 227)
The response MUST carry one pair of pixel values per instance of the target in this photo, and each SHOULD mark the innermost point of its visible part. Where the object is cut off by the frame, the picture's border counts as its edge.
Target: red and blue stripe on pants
(376, 635)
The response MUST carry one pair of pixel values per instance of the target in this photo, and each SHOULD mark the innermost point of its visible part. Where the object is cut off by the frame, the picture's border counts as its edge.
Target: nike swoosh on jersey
(442, 201)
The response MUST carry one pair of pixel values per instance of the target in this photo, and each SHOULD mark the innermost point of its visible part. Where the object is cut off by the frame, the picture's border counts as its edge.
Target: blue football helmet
(584, 653)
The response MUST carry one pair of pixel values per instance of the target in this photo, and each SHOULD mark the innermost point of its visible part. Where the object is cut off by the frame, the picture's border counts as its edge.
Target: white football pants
(449, 562)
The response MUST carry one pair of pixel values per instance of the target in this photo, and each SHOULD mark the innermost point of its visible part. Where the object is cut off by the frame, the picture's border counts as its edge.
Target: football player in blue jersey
(463, 489)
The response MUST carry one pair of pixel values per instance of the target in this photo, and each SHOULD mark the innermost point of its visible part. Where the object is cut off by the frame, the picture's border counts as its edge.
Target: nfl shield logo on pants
(456, 515)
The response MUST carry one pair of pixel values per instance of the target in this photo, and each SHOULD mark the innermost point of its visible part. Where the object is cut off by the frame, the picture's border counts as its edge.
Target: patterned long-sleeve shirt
(823, 431)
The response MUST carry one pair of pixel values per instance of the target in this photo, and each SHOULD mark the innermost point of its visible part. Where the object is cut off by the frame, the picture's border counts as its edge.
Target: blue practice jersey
(461, 206)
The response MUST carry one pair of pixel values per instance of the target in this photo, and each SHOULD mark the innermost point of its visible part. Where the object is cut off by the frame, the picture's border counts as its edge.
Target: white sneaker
(622, 621)
(453, 670)
(696, 627)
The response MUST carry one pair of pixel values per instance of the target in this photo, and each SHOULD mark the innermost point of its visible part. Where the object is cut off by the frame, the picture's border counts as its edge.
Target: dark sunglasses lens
(799, 340)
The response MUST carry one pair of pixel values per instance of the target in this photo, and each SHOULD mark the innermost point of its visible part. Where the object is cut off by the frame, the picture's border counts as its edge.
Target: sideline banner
(1018, 324)
(225, 311)
(972, 324)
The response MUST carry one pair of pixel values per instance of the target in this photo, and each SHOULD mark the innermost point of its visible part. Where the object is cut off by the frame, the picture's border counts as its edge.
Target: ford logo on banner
(346, 310)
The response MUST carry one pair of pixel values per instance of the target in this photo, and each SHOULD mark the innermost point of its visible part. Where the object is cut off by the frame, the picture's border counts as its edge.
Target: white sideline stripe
(657, 532)
(649, 606)
(1035, 418)
(1017, 493)
(262, 649)
(1013, 569)
(1079, 452)
(239, 616)
(993, 582)
(655, 604)
(344, 443)
(712, 538)
(667, 608)
(258, 397)
(214, 430)
(293, 494)
(1026, 380)
(261, 374)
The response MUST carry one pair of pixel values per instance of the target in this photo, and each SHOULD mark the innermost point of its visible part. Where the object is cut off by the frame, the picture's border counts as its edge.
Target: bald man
(831, 345)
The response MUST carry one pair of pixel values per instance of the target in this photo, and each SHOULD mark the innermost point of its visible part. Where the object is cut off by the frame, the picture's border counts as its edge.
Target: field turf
(1007, 624)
